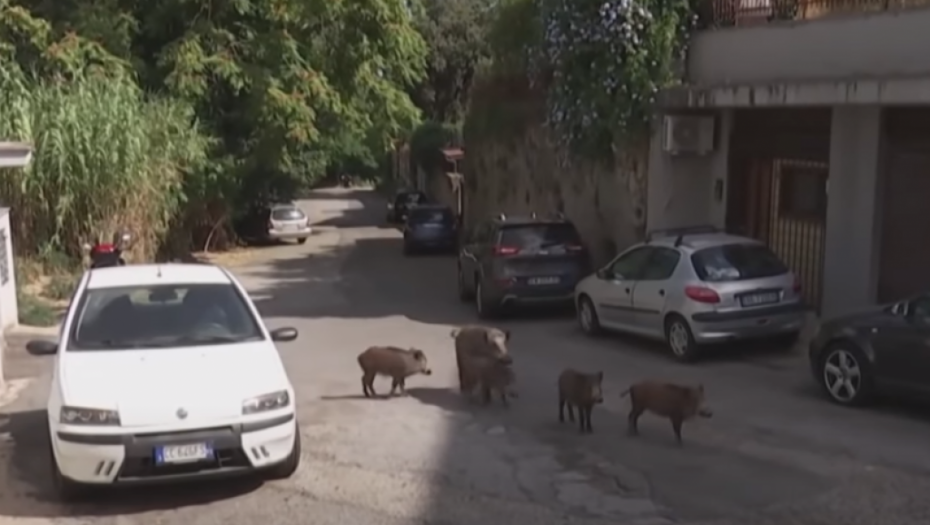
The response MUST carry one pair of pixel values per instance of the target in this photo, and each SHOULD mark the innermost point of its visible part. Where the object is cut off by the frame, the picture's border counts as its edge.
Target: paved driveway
(775, 453)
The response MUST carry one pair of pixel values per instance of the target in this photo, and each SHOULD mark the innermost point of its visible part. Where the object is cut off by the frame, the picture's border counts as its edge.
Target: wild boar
(393, 362)
(581, 391)
(474, 346)
(678, 403)
(497, 377)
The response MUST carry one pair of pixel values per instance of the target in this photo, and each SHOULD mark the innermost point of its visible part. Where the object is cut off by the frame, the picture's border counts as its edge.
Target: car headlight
(88, 416)
(267, 402)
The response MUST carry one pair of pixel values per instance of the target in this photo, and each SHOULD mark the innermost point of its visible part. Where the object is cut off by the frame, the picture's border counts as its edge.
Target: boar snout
(706, 412)
(505, 359)
(427, 372)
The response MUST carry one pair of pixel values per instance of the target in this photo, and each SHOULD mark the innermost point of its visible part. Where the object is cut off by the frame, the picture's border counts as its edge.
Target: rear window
(411, 198)
(423, 216)
(540, 236)
(737, 262)
(286, 214)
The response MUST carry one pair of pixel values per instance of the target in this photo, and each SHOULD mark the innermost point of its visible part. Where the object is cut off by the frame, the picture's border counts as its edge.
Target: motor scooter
(103, 255)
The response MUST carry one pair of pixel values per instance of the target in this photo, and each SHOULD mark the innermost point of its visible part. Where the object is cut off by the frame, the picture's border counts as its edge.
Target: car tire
(289, 466)
(485, 309)
(66, 490)
(861, 384)
(587, 317)
(680, 339)
(301, 240)
(465, 295)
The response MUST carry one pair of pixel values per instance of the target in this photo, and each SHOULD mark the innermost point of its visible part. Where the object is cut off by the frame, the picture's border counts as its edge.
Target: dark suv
(521, 260)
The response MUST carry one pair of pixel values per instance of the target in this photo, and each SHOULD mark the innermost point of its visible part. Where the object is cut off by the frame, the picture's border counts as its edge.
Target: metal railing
(729, 13)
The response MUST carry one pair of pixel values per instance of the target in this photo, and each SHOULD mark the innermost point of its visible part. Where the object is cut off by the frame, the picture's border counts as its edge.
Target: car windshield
(286, 214)
(737, 262)
(411, 198)
(539, 236)
(430, 216)
(162, 316)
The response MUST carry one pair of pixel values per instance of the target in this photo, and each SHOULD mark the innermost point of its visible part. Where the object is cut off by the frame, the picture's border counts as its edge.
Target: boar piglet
(496, 377)
(474, 346)
(581, 391)
(393, 362)
(678, 403)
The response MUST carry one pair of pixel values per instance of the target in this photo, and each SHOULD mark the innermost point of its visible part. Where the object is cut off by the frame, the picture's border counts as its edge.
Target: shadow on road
(30, 493)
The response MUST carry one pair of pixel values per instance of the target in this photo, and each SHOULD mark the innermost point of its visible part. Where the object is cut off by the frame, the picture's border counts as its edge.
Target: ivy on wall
(605, 62)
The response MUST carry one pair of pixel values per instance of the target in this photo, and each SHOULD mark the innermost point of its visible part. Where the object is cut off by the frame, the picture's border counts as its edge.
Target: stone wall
(527, 173)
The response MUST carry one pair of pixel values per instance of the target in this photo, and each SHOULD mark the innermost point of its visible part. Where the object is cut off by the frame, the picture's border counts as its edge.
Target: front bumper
(301, 233)
(130, 458)
(713, 327)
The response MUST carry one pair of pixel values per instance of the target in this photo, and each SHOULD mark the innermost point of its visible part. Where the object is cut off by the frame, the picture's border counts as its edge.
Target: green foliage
(608, 60)
(456, 34)
(427, 142)
(35, 312)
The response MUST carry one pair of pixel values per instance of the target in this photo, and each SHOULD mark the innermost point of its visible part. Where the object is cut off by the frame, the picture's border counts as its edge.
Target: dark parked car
(887, 348)
(429, 227)
(521, 260)
(397, 210)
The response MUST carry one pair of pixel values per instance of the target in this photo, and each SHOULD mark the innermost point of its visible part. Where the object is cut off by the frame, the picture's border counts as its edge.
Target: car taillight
(797, 285)
(702, 295)
(505, 250)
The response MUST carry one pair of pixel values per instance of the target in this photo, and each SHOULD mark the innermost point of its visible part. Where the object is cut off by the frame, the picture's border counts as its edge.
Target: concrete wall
(529, 173)
(9, 309)
(865, 45)
(853, 209)
(681, 189)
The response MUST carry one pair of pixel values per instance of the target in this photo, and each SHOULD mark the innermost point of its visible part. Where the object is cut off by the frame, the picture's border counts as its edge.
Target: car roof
(284, 206)
(155, 274)
(699, 241)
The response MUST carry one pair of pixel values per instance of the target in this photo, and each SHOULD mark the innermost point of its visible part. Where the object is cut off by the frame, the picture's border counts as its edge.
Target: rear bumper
(714, 327)
(431, 242)
(526, 294)
(302, 233)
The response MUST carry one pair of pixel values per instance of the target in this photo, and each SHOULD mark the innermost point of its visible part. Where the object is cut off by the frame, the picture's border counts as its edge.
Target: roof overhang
(15, 154)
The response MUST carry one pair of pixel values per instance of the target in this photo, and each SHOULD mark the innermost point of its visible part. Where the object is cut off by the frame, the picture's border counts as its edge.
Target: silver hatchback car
(692, 287)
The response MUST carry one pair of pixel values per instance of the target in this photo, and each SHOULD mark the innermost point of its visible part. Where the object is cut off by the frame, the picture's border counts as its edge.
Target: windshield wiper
(210, 339)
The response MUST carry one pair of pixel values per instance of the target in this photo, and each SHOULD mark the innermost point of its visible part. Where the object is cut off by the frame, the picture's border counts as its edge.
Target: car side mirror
(602, 274)
(42, 347)
(284, 335)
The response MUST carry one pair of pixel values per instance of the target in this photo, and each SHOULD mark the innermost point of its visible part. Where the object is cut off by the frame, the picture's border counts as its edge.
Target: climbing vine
(606, 61)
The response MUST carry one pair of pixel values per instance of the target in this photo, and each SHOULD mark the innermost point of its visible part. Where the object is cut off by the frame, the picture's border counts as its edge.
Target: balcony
(824, 42)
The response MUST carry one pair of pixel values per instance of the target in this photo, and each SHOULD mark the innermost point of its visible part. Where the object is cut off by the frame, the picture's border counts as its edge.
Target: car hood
(151, 387)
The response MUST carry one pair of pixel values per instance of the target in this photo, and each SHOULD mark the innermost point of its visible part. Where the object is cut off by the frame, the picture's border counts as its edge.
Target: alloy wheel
(842, 375)
(586, 317)
(678, 338)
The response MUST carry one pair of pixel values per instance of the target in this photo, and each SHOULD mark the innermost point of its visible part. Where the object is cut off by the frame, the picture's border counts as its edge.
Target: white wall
(9, 309)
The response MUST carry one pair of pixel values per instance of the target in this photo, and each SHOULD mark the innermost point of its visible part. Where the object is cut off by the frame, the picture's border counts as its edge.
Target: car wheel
(66, 490)
(465, 294)
(288, 467)
(486, 309)
(680, 340)
(846, 374)
(301, 240)
(587, 316)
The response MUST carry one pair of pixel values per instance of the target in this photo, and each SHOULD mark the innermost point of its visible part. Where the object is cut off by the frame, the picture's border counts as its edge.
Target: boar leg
(394, 384)
(587, 417)
(676, 426)
(402, 383)
(485, 394)
(633, 420)
(571, 411)
(368, 387)
(582, 419)
(561, 409)
(503, 394)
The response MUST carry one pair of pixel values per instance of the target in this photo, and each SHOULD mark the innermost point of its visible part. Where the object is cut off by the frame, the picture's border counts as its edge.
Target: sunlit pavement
(775, 452)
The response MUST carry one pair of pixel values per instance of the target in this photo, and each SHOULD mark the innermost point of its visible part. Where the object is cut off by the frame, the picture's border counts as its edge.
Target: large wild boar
(393, 362)
(581, 391)
(678, 403)
(498, 378)
(474, 346)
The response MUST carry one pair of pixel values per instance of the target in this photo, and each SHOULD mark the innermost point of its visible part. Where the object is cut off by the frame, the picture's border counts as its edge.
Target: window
(630, 265)
(661, 266)
(162, 316)
(737, 262)
(541, 236)
(434, 216)
(919, 310)
(287, 214)
(802, 192)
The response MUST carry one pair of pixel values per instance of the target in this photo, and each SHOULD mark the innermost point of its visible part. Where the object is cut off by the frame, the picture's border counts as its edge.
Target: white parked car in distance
(166, 371)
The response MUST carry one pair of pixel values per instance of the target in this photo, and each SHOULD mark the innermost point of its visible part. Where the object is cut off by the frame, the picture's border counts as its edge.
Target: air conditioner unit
(688, 135)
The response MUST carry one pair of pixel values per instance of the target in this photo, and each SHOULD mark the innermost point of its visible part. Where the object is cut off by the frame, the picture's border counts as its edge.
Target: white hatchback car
(165, 372)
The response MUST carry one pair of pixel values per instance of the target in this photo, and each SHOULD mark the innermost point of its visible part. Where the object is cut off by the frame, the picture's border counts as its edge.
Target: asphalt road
(775, 452)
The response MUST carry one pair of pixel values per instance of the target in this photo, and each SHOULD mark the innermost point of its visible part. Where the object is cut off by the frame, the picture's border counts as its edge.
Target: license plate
(543, 280)
(759, 299)
(183, 453)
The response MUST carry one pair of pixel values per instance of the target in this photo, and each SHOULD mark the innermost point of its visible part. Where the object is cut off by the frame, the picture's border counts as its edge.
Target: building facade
(820, 146)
